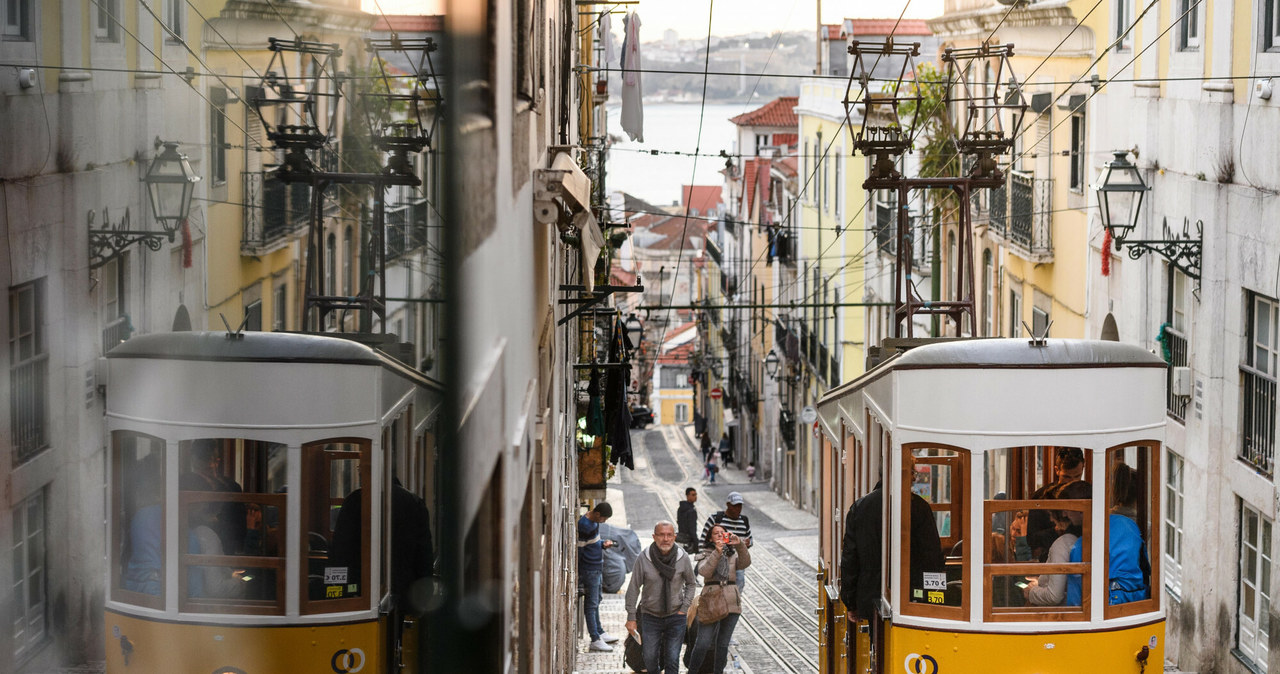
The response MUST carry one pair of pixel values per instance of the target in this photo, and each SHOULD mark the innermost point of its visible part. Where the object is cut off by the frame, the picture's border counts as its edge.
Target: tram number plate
(935, 581)
(937, 597)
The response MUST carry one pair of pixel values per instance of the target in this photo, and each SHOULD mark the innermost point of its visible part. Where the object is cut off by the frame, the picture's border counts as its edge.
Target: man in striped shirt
(734, 522)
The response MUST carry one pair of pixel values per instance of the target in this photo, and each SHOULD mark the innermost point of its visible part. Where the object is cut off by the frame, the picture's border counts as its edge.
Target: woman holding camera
(719, 568)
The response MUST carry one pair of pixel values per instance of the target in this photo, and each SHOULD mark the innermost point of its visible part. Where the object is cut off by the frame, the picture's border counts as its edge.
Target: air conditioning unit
(1181, 384)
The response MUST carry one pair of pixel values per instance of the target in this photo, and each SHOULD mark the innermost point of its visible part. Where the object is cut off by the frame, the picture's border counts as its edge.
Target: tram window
(933, 522)
(1033, 523)
(335, 526)
(1132, 531)
(138, 514)
(231, 510)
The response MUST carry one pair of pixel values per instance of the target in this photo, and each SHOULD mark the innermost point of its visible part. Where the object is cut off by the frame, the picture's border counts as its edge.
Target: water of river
(671, 126)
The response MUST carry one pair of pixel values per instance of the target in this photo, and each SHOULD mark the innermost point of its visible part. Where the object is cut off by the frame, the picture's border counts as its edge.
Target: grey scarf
(666, 566)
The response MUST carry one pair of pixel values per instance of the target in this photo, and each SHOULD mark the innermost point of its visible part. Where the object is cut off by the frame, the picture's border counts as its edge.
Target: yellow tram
(252, 480)
(988, 433)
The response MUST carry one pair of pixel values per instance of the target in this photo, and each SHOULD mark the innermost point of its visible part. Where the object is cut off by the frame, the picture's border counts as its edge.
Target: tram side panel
(1114, 651)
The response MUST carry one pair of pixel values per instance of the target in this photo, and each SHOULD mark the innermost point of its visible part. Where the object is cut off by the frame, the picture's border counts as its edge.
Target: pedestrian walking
(734, 522)
(704, 441)
(591, 573)
(713, 467)
(687, 520)
(726, 449)
(658, 599)
(719, 569)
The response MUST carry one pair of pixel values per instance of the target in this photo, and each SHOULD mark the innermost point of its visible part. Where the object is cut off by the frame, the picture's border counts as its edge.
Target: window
(28, 371)
(348, 257)
(1255, 587)
(137, 515)
(281, 317)
(1173, 495)
(1176, 333)
(673, 376)
(988, 294)
(839, 192)
(231, 525)
(218, 135)
(1189, 26)
(330, 265)
(933, 578)
(105, 27)
(253, 316)
(953, 265)
(1026, 540)
(1039, 322)
(175, 15)
(1132, 528)
(682, 413)
(805, 157)
(826, 182)
(1258, 384)
(28, 576)
(1077, 153)
(1015, 313)
(17, 19)
(336, 516)
(1270, 25)
(1123, 19)
(762, 141)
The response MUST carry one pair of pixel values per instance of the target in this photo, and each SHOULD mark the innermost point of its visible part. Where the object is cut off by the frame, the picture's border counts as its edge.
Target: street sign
(717, 393)
(808, 414)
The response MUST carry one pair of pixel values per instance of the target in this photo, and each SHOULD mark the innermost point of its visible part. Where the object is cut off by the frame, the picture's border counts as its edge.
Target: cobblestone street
(778, 630)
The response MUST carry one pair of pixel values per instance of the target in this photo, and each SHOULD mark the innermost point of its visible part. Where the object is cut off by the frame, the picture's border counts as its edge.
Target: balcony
(116, 332)
(886, 239)
(273, 211)
(1030, 216)
(1177, 343)
(783, 247)
(713, 252)
(28, 410)
(997, 217)
(1258, 428)
(406, 228)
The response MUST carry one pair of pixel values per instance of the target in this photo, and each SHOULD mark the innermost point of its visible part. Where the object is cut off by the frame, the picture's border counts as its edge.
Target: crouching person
(658, 598)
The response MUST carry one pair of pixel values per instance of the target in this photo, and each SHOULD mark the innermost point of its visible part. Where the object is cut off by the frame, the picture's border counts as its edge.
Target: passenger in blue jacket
(1128, 563)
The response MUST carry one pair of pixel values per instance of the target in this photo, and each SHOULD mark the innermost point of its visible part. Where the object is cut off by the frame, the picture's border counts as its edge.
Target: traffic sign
(717, 393)
(808, 414)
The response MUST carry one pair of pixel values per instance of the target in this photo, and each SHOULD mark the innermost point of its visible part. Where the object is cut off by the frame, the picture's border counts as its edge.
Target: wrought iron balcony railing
(116, 332)
(1030, 216)
(1177, 343)
(1258, 427)
(273, 211)
(28, 407)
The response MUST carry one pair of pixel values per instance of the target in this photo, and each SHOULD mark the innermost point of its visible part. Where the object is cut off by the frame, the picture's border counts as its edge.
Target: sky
(731, 17)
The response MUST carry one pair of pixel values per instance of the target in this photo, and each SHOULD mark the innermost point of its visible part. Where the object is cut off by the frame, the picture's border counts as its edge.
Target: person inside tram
(143, 568)
(1128, 563)
(1041, 531)
(205, 473)
(860, 573)
(218, 582)
(412, 554)
(1050, 589)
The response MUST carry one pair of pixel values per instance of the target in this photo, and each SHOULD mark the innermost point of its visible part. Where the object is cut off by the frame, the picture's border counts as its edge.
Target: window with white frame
(1270, 23)
(106, 26)
(988, 294)
(1255, 587)
(1258, 383)
(1189, 25)
(280, 319)
(175, 19)
(1173, 483)
(1077, 152)
(218, 135)
(839, 192)
(1039, 322)
(682, 413)
(17, 19)
(1015, 313)
(1123, 15)
(29, 601)
(953, 263)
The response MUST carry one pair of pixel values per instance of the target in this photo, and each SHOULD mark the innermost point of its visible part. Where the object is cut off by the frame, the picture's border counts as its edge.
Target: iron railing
(1030, 220)
(835, 371)
(28, 407)
(116, 332)
(1258, 427)
(1177, 344)
(272, 211)
(996, 215)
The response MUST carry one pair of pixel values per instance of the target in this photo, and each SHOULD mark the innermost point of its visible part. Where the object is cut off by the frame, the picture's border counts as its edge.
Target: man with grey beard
(665, 573)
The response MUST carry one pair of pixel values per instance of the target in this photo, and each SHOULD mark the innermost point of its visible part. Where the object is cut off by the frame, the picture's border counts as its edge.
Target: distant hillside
(789, 53)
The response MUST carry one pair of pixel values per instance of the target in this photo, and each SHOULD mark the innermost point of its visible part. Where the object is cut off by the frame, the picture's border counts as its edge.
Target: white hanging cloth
(606, 39)
(632, 103)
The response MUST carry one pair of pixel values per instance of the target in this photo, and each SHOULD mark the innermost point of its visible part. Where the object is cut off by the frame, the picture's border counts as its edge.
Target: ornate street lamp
(1120, 190)
(771, 365)
(635, 331)
(170, 184)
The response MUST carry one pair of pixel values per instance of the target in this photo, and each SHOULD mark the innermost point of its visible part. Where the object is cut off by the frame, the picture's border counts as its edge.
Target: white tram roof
(1093, 391)
(269, 382)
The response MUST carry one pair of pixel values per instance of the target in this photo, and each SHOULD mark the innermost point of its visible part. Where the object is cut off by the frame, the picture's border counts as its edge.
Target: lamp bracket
(112, 240)
(1182, 251)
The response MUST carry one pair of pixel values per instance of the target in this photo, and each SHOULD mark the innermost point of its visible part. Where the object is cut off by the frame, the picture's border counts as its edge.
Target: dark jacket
(860, 572)
(687, 526)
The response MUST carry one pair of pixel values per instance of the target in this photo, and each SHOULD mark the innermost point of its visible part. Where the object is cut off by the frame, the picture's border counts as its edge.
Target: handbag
(712, 604)
(633, 653)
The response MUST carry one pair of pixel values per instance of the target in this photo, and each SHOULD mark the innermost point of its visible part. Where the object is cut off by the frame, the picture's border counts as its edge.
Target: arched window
(348, 258)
